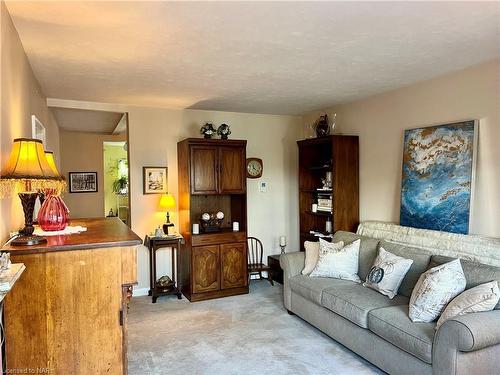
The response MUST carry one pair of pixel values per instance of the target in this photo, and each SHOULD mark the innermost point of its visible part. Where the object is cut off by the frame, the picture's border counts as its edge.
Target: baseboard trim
(139, 292)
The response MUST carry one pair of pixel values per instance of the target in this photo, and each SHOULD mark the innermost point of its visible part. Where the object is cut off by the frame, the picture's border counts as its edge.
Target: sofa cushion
(354, 302)
(311, 288)
(367, 250)
(420, 257)
(392, 324)
(475, 273)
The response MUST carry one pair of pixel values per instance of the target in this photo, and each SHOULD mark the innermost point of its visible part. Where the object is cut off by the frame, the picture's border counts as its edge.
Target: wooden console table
(67, 314)
(153, 244)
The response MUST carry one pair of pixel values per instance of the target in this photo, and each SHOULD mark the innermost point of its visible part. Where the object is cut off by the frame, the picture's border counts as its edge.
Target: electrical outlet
(263, 187)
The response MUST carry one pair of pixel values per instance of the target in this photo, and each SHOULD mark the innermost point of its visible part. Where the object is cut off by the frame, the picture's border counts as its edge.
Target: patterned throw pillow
(483, 297)
(338, 263)
(387, 273)
(434, 289)
(312, 255)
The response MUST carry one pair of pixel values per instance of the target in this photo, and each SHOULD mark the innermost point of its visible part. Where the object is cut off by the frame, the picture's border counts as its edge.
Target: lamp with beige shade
(28, 171)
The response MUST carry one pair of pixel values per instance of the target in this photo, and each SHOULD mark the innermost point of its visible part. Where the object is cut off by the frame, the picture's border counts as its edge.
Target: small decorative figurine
(224, 131)
(207, 130)
(211, 222)
(322, 126)
(165, 282)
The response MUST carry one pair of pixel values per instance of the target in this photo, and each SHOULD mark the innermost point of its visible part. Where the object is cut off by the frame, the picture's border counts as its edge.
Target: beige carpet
(249, 334)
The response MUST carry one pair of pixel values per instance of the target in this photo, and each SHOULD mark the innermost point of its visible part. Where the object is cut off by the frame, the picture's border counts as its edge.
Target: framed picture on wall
(439, 165)
(37, 129)
(83, 182)
(155, 180)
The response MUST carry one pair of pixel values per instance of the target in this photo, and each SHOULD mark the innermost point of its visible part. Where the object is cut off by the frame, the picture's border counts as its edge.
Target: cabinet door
(232, 178)
(205, 268)
(204, 165)
(233, 265)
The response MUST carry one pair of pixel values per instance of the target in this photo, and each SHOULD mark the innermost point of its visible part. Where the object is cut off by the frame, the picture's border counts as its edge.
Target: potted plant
(120, 185)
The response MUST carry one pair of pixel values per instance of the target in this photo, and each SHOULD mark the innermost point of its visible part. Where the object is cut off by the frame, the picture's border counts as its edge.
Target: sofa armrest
(466, 333)
(292, 265)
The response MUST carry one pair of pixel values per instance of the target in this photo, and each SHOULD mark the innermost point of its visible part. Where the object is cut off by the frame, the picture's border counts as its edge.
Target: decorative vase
(322, 126)
(224, 131)
(53, 214)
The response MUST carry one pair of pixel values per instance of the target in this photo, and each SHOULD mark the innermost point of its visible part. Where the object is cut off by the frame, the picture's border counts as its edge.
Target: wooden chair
(255, 265)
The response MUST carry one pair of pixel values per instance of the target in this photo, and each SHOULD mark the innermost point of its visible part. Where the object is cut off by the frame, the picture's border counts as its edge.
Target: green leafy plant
(120, 185)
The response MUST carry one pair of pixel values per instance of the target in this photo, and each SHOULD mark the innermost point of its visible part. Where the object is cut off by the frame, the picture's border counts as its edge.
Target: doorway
(116, 180)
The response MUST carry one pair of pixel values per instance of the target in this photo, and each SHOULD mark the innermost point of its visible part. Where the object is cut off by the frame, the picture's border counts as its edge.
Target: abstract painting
(438, 177)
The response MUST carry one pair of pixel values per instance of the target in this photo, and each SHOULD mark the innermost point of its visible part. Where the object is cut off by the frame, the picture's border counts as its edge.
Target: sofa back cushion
(420, 257)
(367, 250)
(475, 273)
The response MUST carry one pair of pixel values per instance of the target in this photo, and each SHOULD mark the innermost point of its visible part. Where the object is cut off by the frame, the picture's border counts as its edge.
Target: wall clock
(254, 167)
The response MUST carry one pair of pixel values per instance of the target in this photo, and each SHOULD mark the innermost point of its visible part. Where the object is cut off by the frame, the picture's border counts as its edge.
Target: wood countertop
(101, 232)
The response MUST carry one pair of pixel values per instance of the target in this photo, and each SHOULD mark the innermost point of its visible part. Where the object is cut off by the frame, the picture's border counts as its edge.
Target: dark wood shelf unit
(319, 213)
(342, 153)
(212, 177)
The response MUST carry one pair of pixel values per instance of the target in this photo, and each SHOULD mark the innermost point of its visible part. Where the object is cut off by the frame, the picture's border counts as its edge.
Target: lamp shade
(49, 155)
(167, 201)
(27, 161)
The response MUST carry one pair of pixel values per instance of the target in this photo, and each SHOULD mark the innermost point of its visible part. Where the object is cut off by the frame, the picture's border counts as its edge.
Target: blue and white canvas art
(438, 177)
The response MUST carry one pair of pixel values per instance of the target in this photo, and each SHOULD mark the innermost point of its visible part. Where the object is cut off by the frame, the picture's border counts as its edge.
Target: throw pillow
(338, 263)
(387, 273)
(434, 289)
(312, 255)
(483, 297)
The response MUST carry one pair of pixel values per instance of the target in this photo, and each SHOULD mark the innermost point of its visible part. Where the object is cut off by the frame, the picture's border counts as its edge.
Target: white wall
(380, 122)
(20, 97)
(153, 137)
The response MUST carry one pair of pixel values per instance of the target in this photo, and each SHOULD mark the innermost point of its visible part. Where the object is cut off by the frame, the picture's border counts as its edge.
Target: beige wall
(154, 133)
(83, 152)
(380, 122)
(21, 97)
(153, 141)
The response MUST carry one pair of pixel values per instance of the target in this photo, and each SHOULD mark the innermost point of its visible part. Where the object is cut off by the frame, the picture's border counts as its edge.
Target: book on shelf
(325, 209)
(325, 202)
(320, 234)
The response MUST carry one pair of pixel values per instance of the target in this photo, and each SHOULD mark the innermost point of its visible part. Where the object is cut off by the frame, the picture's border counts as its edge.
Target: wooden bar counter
(67, 313)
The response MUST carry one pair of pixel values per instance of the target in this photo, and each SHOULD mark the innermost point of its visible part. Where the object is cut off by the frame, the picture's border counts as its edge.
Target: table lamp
(167, 202)
(49, 155)
(28, 166)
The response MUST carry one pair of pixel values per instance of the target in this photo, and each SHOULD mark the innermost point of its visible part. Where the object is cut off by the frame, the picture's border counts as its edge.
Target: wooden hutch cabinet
(338, 155)
(212, 178)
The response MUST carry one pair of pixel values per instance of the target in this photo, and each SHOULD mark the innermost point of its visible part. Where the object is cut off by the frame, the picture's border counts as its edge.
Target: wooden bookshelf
(340, 155)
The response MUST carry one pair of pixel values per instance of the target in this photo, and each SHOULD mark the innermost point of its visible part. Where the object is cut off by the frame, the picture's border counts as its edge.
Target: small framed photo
(154, 180)
(83, 182)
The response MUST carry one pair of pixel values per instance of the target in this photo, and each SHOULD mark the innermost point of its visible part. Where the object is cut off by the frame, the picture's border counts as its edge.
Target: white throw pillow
(483, 297)
(434, 289)
(338, 263)
(312, 255)
(387, 273)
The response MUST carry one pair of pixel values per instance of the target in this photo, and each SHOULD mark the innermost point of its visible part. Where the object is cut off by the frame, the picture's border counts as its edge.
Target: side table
(153, 244)
(273, 261)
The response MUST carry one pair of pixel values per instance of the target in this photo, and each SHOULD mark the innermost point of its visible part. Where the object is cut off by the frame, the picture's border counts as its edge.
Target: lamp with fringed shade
(28, 167)
(167, 202)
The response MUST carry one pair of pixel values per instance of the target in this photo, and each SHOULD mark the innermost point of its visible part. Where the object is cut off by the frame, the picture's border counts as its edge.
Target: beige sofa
(379, 329)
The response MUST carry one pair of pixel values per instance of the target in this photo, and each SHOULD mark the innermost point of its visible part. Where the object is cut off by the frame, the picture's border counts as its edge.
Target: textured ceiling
(81, 120)
(280, 57)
